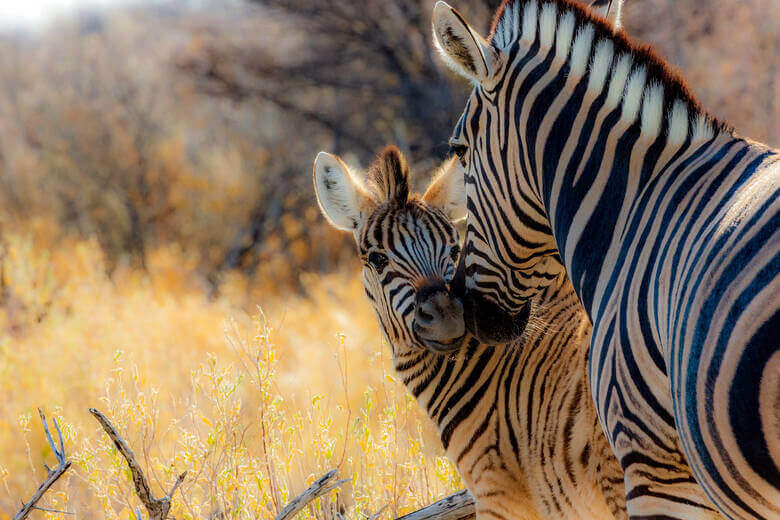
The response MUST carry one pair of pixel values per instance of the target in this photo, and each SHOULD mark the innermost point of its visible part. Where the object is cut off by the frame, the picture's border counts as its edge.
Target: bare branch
(38, 508)
(322, 485)
(459, 506)
(52, 475)
(221, 82)
(378, 513)
(156, 507)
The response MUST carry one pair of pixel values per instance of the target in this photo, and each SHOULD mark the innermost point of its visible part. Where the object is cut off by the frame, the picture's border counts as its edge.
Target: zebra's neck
(571, 35)
(434, 378)
(570, 75)
(593, 121)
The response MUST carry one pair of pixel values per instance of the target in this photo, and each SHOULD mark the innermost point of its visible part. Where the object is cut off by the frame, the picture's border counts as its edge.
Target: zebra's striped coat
(585, 154)
(518, 420)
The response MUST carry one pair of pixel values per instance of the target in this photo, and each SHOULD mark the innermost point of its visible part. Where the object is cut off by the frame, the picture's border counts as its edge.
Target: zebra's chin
(442, 347)
(440, 328)
(438, 320)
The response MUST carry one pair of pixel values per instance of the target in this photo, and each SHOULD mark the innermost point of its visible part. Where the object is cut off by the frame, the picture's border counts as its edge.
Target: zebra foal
(517, 420)
(585, 154)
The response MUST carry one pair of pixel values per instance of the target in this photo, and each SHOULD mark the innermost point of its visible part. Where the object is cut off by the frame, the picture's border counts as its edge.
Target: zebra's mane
(653, 90)
(387, 178)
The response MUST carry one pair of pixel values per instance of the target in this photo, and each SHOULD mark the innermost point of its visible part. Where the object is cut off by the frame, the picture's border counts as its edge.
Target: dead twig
(47, 510)
(52, 475)
(377, 514)
(322, 485)
(156, 507)
(459, 506)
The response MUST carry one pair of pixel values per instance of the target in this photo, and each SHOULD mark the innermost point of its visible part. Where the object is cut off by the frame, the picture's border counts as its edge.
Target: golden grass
(254, 407)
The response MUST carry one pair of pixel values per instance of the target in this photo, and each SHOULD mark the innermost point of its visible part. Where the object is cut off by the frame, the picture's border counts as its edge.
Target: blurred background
(155, 192)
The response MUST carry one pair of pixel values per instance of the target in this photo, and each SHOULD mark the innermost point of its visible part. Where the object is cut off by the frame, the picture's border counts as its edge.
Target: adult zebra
(583, 152)
(518, 422)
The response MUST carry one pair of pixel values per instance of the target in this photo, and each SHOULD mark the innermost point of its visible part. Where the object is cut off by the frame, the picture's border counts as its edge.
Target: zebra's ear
(462, 47)
(342, 198)
(447, 190)
(611, 10)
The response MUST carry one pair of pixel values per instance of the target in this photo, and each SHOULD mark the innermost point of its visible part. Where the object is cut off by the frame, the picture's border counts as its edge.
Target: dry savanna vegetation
(162, 258)
(252, 406)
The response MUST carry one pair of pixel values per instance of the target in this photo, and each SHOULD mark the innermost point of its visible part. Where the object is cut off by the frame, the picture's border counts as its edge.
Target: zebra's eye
(454, 252)
(378, 260)
(459, 150)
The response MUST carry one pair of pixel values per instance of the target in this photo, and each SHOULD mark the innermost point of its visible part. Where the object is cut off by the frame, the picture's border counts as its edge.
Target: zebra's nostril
(438, 316)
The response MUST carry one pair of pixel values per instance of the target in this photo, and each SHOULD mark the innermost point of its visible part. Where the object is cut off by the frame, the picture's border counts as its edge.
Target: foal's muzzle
(438, 318)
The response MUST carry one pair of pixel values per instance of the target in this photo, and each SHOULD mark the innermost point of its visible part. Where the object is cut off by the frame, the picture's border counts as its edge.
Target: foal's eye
(378, 260)
(454, 252)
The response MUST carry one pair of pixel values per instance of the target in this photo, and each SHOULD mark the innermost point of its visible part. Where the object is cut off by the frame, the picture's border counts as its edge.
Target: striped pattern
(517, 420)
(584, 154)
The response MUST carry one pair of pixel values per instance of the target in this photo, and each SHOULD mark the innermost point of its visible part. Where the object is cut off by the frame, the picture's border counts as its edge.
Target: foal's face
(408, 245)
(410, 252)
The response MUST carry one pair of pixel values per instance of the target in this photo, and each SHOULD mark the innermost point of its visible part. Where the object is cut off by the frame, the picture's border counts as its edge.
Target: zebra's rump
(724, 339)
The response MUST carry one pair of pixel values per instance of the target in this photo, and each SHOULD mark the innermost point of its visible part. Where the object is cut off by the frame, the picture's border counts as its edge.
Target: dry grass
(254, 408)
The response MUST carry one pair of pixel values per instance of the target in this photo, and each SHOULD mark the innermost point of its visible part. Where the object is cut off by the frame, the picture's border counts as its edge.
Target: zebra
(584, 153)
(518, 421)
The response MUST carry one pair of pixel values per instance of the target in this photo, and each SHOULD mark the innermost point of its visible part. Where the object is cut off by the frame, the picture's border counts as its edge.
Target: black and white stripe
(584, 154)
(518, 420)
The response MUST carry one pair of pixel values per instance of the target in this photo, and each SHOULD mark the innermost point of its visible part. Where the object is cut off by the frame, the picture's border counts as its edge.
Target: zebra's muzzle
(438, 318)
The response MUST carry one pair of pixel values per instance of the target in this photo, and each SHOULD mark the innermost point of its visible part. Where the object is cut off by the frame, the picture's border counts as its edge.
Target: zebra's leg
(635, 409)
(660, 486)
(610, 479)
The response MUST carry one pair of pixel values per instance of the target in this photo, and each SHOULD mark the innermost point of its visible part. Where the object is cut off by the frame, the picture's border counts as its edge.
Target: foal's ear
(611, 10)
(342, 198)
(447, 190)
(461, 46)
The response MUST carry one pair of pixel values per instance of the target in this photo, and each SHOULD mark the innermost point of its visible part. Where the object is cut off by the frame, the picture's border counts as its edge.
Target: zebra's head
(510, 253)
(408, 244)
